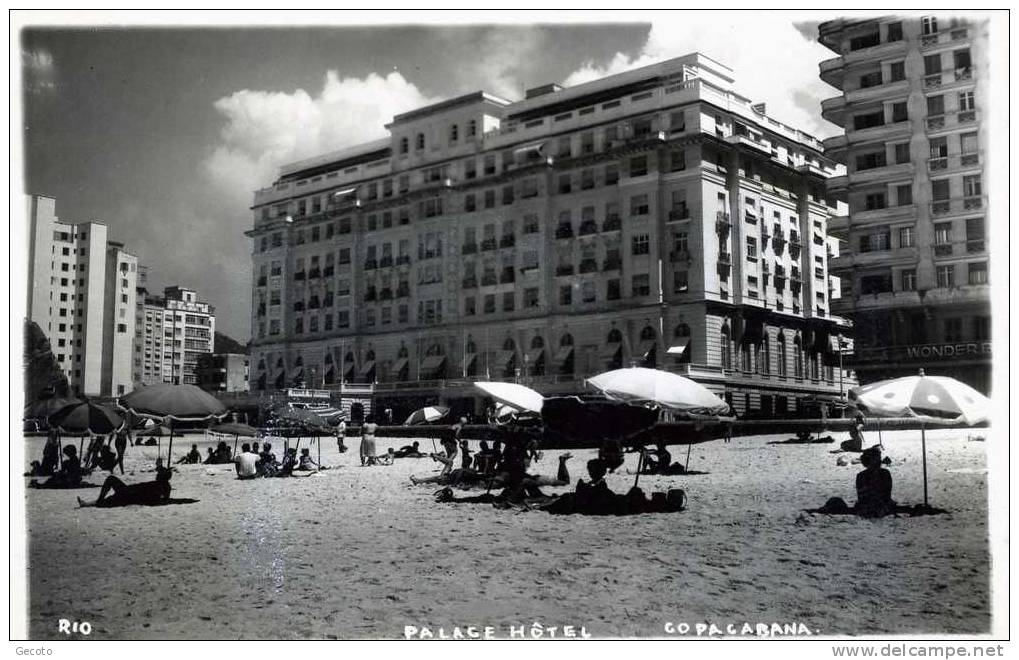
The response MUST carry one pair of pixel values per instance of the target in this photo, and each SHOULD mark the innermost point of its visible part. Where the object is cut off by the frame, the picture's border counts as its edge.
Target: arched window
(615, 336)
(261, 364)
(537, 342)
(647, 334)
(783, 367)
(435, 349)
(764, 355)
(567, 340)
(682, 330)
(402, 353)
(614, 350)
(299, 361)
(509, 344)
(798, 357)
(682, 336)
(279, 363)
(648, 349)
(509, 347)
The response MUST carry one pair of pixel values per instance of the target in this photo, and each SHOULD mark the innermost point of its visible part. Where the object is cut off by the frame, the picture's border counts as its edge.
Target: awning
(563, 354)
(469, 359)
(834, 342)
(346, 192)
(399, 366)
(535, 354)
(366, 368)
(679, 348)
(611, 351)
(329, 375)
(647, 347)
(530, 152)
(504, 358)
(431, 363)
(348, 368)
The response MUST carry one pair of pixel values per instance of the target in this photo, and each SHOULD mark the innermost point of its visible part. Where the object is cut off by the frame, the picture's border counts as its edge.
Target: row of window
(944, 275)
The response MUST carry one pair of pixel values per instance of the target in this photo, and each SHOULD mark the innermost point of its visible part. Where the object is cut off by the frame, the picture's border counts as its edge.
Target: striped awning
(398, 366)
(611, 350)
(431, 364)
(563, 354)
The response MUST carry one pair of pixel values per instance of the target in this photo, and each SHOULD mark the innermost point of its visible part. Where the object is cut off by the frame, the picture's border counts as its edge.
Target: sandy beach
(358, 552)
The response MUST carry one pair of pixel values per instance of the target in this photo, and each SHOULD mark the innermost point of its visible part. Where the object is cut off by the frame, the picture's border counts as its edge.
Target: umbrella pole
(688, 448)
(640, 466)
(923, 447)
(318, 443)
(169, 449)
(879, 441)
(235, 445)
(60, 454)
(81, 449)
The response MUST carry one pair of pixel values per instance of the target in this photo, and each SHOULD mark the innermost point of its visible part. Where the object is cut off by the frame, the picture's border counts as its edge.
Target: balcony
(469, 283)
(880, 174)
(612, 265)
(588, 266)
(469, 248)
(889, 130)
(261, 281)
(832, 71)
(369, 295)
(588, 227)
(299, 275)
(507, 241)
(951, 120)
(953, 162)
(403, 291)
(957, 205)
(929, 41)
(724, 259)
(722, 223)
(975, 245)
(837, 184)
(943, 250)
(403, 260)
(679, 256)
(489, 280)
(679, 214)
(612, 223)
(508, 276)
(564, 270)
(314, 274)
(370, 264)
(386, 294)
(834, 110)
(564, 231)
(488, 244)
(328, 271)
(386, 262)
(835, 147)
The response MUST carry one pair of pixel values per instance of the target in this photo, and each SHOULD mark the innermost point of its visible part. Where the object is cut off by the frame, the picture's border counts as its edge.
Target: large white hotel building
(552, 238)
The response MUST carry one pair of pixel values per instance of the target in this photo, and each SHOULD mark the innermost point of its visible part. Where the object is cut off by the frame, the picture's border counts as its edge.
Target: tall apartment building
(81, 292)
(914, 269)
(223, 372)
(174, 331)
(552, 238)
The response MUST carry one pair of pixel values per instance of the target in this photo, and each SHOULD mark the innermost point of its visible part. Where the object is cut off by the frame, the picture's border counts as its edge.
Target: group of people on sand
(252, 463)
(222, 454)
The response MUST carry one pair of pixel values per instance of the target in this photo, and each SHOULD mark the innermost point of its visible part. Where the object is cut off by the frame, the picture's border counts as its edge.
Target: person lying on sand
(193, 456)
(147, 492)
(387, 458)
(68, 476)
(514, 473)
(409, 451)
(246, 463)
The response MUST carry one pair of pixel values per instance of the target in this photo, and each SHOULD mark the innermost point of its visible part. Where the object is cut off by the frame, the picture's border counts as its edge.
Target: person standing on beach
(341, 433)
(368, 442)
(120, 443)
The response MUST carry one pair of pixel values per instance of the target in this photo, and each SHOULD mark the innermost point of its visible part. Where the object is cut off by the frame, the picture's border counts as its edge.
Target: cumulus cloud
(263, 130)
(773, 61)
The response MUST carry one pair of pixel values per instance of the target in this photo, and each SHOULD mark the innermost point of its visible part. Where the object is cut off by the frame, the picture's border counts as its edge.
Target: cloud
(264, 130)
(773, 61)
(39, 71)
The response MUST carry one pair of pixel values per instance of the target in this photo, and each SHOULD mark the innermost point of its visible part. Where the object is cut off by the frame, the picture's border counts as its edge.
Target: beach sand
(360, 552)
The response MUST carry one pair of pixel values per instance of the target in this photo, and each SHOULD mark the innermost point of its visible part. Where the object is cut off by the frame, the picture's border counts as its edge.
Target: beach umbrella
(236, 429)
(426, 415)
(925, 398)
(173, 403)
(86, 417)
(661, 388)
(43, 408)
(512, 394)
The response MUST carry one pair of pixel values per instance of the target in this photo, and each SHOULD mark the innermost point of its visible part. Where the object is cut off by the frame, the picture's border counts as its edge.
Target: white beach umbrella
(662, 388)
(513, 394)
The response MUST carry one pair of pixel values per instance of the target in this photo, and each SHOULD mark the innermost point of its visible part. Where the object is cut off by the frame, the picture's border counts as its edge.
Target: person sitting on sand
(107, 459)
(193, 456)
(151, 442)
(286, 468)
(660, 461)
(50, 459)
(855, 441)
(246, 462)
(306, 464)
(465, 454)
(68, 476)
(267, 464)
(873, 490)
(409, 451)
(147, 492)
(387, 458)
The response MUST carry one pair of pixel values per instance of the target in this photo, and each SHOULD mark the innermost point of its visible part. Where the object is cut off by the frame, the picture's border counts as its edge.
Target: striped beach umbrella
(926, 398)
(426, 415)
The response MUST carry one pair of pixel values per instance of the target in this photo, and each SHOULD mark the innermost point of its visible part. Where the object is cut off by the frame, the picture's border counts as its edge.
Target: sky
(164, 134)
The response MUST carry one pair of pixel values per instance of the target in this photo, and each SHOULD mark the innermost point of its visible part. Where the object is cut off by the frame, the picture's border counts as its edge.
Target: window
(897, 71)
(968, 143)
(940, 190)
(966, 101)
(939, 147)
(931, 65)
(641, 285)
(872, 79)
(904, 194)
(614, 291)
(587, 292)
(489, 164)
(470, 307)
(566, 295)
(870, 161)
(404, 145)
(489, 303)
(565, 184)
(901, 153)
(978, 272)
(899, 112)
(680, 281)
(874, 201)
(942, 233)
(929, 25)
(868, 120)
(908, 279)
(894, 32)
(531, 223)
(907, 237)
(530, 298)
(935, 105)
(611, 175)
(419, 141)
(972, 186)
(638, 166)
(981, 328)
(945, 276)
(454, 133)
(472, 128)
(641, 244)
(962, 60)
(508, 301)
(751, 248)
(639, 205)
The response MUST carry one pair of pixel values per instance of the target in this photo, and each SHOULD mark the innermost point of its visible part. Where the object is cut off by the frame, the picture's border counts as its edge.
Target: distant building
(81, 293)
(174, 331)
(223, 372)
(914, 266)
(654, 217)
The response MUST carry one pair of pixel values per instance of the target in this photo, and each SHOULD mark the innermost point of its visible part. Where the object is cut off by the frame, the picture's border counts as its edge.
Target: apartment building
(81, 289)
(174, 331)
(915, 265)
(653, 217)
(223, 372)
